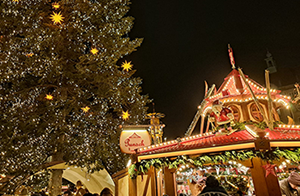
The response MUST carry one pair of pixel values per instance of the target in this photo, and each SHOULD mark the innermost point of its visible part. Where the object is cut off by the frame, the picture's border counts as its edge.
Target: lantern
(133, 137)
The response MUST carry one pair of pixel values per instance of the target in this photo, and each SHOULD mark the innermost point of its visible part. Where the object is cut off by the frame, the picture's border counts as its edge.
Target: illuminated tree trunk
(55, 182)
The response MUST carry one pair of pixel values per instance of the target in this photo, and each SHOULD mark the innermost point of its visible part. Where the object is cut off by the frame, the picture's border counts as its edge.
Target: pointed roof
(234, 85)
(235, 88)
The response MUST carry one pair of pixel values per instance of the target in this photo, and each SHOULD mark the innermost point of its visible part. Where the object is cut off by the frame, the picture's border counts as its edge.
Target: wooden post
(150, 173)
(117, 176)
(202, 124)
(270, 108)
(132, 187)
(133, 182)
(170, 183)
(153, 182)
(207, 127)
(264, 186)
(116, 181)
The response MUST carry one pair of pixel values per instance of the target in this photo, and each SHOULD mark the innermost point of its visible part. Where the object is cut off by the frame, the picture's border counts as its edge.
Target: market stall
(242, 142)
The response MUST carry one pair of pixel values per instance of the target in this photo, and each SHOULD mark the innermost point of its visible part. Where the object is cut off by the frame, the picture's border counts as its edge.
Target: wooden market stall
(238, 122)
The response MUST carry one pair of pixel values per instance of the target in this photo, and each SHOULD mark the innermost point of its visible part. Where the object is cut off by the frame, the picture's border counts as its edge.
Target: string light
(39, 58)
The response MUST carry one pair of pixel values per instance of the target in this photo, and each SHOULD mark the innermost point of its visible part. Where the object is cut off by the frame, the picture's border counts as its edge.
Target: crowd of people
(289, 187)
(81, 191)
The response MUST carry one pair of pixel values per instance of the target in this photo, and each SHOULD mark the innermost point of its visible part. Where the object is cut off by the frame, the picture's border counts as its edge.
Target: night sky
(185, 43)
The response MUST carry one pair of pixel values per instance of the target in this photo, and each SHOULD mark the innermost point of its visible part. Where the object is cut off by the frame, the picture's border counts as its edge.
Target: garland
(261, 125)
(270, 156)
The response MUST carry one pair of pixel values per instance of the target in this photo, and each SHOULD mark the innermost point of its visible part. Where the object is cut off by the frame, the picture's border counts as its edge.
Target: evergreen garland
(270, 156)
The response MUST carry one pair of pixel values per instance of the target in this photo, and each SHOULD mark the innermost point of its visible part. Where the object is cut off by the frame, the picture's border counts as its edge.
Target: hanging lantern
(133, 137)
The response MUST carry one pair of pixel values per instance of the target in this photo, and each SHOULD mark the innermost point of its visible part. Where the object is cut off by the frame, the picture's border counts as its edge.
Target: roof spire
(153, 104)
(230, 51)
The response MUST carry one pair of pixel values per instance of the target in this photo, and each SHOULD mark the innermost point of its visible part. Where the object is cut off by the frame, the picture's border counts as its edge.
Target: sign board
(262, 144)
(132, 138)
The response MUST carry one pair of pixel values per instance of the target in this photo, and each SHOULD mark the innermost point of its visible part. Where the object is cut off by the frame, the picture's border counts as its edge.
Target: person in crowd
(43, 193)
(79, 190)
(67, 193)
(213, 188)
(88, 194)
(36, 194)
(239, 193)
(290, 186)
(106, 192)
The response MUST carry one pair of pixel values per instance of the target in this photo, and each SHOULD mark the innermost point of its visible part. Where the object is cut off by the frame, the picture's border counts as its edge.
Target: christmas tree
(62, 93)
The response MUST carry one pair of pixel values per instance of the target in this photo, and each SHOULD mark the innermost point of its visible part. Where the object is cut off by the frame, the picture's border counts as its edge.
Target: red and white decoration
(134, 138)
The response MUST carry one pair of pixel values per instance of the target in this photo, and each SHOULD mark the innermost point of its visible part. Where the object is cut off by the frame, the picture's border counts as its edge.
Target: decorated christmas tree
(62, 93)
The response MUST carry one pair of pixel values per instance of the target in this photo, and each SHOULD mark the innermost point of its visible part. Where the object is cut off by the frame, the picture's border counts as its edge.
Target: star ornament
(269, 169)
(125, 115)
(56, 18)
(29, 54)
(85, 109)
(55, 5)
(49, 97)
(94, 51)
(127, 66)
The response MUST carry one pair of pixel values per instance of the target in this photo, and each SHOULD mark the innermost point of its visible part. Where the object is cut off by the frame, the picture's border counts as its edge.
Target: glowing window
(235, 112)
(255, 113)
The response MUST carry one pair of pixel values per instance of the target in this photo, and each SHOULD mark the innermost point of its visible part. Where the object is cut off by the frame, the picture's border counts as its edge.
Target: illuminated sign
(132, 138)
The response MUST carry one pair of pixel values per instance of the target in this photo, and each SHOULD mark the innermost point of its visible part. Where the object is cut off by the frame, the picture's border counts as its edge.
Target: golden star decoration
(86, 109)
(127, 66)
(15, 0)
(56, 18)
(269, 169)
(49, 97)
(125, 115)
(55, 5)
(94, 51)
(29, 54)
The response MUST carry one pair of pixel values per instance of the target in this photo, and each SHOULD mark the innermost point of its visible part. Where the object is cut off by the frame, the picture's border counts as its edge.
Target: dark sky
(185, 43)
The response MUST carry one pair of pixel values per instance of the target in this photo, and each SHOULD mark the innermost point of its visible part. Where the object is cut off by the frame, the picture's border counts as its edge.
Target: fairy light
(59, 62)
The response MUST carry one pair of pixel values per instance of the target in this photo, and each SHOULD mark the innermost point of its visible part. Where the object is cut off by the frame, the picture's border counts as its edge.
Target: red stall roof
(238, 140)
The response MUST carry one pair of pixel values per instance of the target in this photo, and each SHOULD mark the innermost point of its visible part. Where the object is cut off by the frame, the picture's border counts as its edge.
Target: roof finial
(230, 51)
(153, 104)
